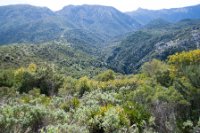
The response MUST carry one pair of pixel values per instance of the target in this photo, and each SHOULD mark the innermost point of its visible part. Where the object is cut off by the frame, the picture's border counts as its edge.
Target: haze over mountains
(123, 41)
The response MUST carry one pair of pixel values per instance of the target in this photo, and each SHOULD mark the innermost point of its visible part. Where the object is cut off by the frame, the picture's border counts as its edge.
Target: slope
(100, 19)
(130, 52)
(61, 55)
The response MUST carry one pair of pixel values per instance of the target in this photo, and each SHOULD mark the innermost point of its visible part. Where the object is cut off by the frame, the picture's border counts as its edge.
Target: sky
(122, 5)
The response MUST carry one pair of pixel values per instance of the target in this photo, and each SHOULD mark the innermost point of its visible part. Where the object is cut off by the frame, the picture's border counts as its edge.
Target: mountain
(144, 16)
(30, 24)
(24, 13)
(101, 19)
(128, 53)
(25, 23)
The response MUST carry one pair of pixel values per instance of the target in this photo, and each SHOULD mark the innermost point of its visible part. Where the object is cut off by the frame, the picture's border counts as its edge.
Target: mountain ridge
(26, 23)
(144, 16)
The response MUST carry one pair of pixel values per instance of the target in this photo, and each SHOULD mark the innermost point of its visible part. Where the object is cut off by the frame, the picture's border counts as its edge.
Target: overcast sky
(123, 5)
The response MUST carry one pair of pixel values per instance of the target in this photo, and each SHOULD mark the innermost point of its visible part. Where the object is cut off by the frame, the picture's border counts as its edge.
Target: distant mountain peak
(144, 16)
(105, 19)
(88, 6)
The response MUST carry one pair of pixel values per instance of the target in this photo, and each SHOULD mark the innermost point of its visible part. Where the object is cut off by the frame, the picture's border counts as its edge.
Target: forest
(163, 96)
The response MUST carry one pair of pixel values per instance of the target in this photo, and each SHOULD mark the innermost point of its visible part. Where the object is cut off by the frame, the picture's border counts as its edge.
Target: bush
(6, 78)
(103, 118)
(27, 118)
(48, 81)
(43, 78)
(70, 104)
(68, 88)
(153, 67)
(137, 114)
(66, 128)
(83, 85)
(106, 76)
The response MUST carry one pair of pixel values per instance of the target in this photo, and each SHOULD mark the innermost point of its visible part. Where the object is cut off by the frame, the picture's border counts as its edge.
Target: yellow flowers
(19, 71)
(119, 109)
(185, 58)
(32, 67)
(104, 109)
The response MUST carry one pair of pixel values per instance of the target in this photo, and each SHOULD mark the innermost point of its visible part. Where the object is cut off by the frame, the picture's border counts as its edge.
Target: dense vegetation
(158, 39)
(66, 59)
(163, 97)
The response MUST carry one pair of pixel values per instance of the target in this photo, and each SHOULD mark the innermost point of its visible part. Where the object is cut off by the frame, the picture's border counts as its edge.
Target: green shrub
(66, 128)
(106, 118)
(83, 85)
(137, 114)
(68, 87)
(106, 76)
(6, 78)
(43, 78)
(70, 104)
(27, 118)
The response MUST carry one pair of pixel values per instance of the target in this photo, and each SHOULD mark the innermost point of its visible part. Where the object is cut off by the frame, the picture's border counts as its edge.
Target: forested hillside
(126, 55)
(66, 59)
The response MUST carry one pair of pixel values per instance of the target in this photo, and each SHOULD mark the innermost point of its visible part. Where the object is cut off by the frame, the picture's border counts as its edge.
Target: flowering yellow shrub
(19, 71)
(32, 67)
(185, 58)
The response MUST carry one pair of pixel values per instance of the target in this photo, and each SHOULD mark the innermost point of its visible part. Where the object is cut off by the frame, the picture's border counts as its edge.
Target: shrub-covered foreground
(164, 97)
